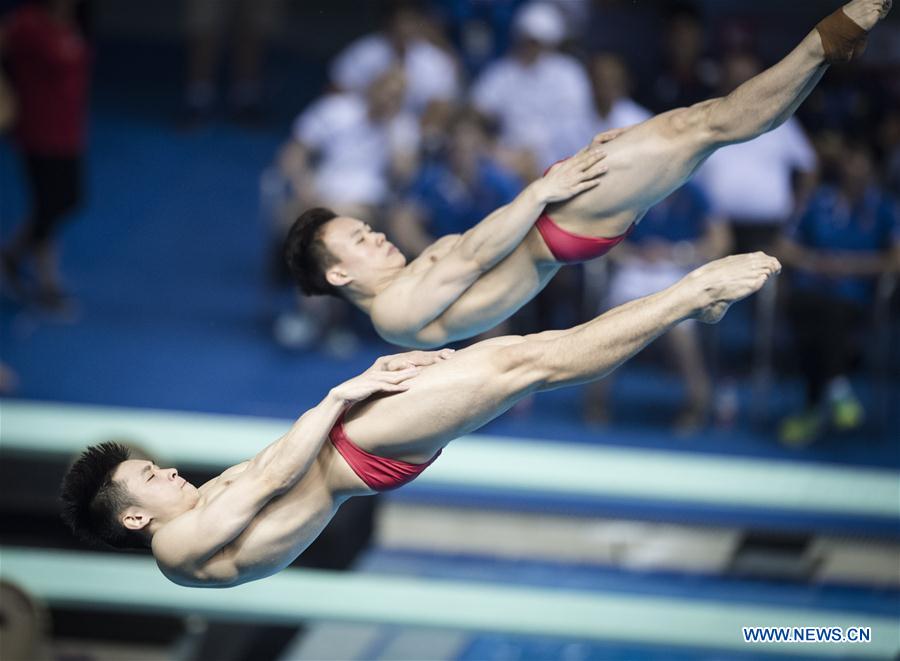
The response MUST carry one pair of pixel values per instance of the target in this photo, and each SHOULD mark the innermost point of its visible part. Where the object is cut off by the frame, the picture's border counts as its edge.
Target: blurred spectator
(540, 97)
(752, 183)
(7, 100)
(687, 77)
(49, 64)
(673, 238)
(889, 138)
(348, 153)
(434, 126)
(846, 238)
(611, 84)
(839, 103)
(612, 26)
(410, 41)
(480, 29)
(246, 24)
(346, 148)
(454, 192)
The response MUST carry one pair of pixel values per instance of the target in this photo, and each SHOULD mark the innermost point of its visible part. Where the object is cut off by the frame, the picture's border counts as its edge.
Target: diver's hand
(376, 379)
(401, 361)
(607, 136)
(572, 176)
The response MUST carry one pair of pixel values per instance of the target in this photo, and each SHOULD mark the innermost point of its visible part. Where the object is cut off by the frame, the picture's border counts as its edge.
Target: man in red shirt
(48, 60)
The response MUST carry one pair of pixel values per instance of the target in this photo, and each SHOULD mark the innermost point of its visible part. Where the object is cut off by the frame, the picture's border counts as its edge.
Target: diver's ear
(338, 277)
(135, 519)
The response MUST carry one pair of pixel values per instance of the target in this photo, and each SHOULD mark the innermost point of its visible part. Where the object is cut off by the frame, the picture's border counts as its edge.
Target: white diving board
(211, 441)
(126, 583)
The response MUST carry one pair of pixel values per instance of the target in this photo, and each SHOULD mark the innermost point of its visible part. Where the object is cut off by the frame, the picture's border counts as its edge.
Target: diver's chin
(396, 258)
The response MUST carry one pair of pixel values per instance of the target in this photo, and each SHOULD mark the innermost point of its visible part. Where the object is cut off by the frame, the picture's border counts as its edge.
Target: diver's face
(160, 492)
(361, 253)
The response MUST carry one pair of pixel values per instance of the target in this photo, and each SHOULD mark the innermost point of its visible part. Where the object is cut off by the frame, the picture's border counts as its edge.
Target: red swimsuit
(572, 248)
(379, 473)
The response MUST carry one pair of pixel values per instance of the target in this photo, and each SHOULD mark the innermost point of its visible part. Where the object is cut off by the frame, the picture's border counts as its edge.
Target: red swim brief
(574, 248)
(379, 473)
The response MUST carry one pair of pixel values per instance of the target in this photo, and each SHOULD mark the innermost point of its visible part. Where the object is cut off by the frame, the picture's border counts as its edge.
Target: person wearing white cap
(540, 97)
(411, 41)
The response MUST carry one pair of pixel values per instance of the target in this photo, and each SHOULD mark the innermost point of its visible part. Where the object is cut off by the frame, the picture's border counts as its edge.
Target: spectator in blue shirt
(676, 235)
(847, 237)
(454, 190)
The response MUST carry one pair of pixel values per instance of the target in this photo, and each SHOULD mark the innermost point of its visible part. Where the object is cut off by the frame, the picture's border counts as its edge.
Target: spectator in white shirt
(346, 149)
(540, 97)
(347, 152)
(752, 183)
(613, 107)
(412, 41)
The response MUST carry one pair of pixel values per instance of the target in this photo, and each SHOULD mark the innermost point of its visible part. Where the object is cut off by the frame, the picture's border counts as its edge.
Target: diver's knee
(523, 362)
(697, 121)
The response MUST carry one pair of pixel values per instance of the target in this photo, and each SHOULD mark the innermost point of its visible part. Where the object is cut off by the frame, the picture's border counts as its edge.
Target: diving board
(133, 583)
(631, 478)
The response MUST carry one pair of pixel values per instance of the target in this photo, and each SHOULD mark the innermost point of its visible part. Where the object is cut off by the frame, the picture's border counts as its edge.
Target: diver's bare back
(279, 532)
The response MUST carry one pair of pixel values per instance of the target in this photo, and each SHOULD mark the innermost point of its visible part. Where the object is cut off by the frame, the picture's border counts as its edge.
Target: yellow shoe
(801, 429)
(847, 414)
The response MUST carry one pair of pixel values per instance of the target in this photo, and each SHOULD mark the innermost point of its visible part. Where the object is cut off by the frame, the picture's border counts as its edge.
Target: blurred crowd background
(423, 117)
(153, 156)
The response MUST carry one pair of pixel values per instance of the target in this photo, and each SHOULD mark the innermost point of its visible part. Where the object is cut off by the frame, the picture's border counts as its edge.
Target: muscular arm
(498, 234)
(192, 548)
(412, 305)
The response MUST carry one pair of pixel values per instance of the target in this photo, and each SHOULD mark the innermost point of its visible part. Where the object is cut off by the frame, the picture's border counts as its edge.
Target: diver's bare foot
(715, 286)
(866, 13)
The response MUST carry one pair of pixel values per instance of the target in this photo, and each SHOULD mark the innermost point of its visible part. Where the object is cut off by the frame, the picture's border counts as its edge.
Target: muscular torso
(281, 530)
(493, 298)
